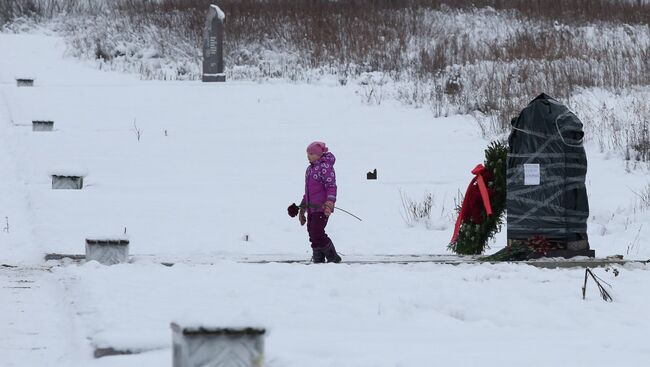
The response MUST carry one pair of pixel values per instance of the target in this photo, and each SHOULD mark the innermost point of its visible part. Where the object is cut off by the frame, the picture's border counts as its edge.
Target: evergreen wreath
(477, 227)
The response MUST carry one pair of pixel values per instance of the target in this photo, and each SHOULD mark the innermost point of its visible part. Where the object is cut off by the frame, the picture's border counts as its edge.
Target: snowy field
(215, 163)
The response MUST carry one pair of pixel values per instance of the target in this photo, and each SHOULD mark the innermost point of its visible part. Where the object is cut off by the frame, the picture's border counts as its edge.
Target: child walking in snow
(318, 201)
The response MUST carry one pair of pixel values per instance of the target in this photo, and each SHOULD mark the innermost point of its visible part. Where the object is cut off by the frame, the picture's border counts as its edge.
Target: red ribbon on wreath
(476, 198)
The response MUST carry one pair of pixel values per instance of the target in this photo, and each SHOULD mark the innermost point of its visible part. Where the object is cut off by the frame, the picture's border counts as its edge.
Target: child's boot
(318, 256)
(330, 253)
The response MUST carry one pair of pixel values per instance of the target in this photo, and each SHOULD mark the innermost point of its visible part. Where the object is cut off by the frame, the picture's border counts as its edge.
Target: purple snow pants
(316, 223)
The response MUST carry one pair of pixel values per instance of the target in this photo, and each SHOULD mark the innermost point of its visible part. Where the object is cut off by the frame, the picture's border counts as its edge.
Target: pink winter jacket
(320, 183)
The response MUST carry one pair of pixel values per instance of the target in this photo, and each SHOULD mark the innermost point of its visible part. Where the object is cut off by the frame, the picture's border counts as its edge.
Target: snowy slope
(216, 162)
(232, 161)
(389, 315)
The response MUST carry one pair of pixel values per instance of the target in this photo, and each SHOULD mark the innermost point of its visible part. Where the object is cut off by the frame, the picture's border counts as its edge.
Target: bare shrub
(484, 57)
(12, 9)
(372, 87)
(617, 122)
(640, 137)
(643, 198)
(414, 212)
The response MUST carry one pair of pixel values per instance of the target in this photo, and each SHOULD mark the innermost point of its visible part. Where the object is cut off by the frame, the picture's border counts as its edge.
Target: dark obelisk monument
(213, 46)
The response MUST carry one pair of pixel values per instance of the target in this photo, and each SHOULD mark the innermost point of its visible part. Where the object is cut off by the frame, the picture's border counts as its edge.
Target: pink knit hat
(317, 147)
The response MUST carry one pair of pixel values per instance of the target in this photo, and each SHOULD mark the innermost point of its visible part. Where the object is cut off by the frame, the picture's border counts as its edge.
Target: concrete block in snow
(107, 251)
(196, 346)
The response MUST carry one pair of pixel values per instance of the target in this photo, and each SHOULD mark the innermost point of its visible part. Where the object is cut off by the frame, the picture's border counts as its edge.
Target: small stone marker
(107, 251)
(42, 125)
(24, 82)
(217, 347)
(67, 182)
(213, 46)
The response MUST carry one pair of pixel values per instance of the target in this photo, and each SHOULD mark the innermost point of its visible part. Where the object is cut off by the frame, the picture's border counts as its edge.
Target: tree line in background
(485, 57)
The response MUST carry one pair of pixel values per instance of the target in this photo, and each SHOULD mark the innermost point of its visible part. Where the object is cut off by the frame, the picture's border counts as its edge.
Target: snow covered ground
(215, 163)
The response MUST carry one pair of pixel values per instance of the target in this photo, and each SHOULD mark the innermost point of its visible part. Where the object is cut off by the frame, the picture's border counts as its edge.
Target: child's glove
(293, 210)
(302, 218)
(329, 207)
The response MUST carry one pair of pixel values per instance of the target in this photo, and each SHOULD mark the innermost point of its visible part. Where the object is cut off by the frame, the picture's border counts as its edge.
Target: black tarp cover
(546, 169)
